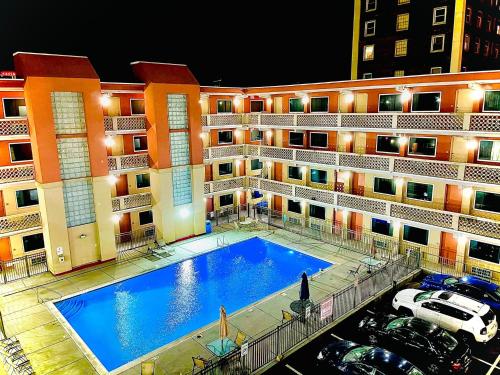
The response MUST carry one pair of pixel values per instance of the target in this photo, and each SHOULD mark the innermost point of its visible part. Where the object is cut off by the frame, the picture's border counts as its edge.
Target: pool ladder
(221, 241)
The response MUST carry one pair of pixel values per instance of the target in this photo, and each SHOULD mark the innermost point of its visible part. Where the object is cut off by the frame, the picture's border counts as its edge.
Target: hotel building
(89, 167)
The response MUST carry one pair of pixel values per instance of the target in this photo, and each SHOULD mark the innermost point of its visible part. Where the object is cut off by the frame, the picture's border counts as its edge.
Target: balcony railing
(221, 152)
(229, 184)
(454, 122)
(14, 223)
(124, 162)
(130, 202)
(11, 127)
(125, 124)
(17, 173)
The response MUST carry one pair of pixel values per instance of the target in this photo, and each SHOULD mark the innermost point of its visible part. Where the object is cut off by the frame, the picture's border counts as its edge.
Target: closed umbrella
(2, 327)
(304, 288)
(223, 330)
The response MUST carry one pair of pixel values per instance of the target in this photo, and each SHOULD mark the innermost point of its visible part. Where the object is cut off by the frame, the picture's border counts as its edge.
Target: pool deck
(52, 350)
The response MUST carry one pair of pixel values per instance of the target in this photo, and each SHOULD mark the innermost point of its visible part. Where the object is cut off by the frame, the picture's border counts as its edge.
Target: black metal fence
(26, 266)
(274, 344)
(125, 242)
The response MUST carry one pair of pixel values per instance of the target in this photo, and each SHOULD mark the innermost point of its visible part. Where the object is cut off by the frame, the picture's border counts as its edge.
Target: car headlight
(320, 356)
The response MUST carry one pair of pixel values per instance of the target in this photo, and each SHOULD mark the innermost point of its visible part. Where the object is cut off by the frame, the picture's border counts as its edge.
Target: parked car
(347, 357)
(410, 337)
(469, 318)
(470, 286)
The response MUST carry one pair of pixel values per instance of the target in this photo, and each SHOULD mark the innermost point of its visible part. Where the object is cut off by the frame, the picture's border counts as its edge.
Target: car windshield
(495, 295)
(446, 341)
(415, 371)
(423, 296)
(450, 281)
(356, 354)
(396, 323)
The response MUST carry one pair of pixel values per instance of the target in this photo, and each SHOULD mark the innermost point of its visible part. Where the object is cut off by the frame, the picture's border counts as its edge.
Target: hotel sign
(7, 73)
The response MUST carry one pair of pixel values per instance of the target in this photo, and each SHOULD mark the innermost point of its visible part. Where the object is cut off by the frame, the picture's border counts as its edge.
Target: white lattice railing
(225, 119)
(14, 223)
(116, 163)
(225, 185)
(221, 152)
(14, 127)
(25, 172)
(127, 124)
(131, 201)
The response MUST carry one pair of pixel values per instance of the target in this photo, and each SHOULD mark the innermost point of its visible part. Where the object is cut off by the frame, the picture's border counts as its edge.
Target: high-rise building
(411, 37)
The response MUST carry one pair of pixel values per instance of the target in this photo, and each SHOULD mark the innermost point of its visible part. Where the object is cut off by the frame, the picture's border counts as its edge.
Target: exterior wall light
(269, 101)
(105, 100)
(305, 99)
(405, 96)
(477, 91)
(471, 144)
(112, 179)
(109, 141)
(116, 218)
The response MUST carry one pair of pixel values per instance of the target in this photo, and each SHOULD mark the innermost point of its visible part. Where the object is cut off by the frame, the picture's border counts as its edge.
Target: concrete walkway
(52, 350)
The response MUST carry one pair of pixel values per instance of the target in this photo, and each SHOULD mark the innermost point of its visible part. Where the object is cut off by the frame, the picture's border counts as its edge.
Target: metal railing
(22, 267)
(134, 240)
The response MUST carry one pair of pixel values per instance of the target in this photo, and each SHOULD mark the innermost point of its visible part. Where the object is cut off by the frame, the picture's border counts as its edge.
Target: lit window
(399, 73)
(401, 2)
(489, 24)
(256, 135)
(477, 45)
(437, 43)
(439, 16)
(370, 28)
(401, 47)
(486, 48)
(371, 5)
(468, 15)
(369, 52)
(479, 20)
(402, 22)
(436, 70)
(367, 75)
(466, 42)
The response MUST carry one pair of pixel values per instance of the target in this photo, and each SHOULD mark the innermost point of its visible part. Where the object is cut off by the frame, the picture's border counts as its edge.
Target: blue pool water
(128, 319)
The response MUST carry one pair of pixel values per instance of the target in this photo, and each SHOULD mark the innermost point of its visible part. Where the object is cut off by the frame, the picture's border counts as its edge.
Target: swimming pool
(126, 320)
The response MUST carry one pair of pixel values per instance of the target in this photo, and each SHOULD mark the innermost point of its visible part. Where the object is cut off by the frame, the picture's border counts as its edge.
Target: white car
(451, 311)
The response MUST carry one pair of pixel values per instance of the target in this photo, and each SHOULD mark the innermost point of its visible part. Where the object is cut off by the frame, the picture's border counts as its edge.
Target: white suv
(451, 311)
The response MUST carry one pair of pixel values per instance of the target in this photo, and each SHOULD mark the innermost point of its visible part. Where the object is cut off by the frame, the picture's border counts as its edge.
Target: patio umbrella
(304, 288)
(223, 330)
(2, 327)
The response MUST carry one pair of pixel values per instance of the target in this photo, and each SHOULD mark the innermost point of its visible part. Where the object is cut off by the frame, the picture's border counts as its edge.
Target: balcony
(125, 124)
(131, 202)
(14, 127)
(223, 152)
(226, 185)
(18, 173)
(226, 119)
(20, 222)
(128, 162)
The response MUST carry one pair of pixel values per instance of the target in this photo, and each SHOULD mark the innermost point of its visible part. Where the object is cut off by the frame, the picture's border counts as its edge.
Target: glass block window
(179, 148)
(181, 182)
(68, 112)
(78, 202)
(73, 157)
(177, 111)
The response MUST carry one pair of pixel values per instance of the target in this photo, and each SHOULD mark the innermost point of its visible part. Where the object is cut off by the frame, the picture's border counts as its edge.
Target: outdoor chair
(354, 271)
(240, 338)
(199, 363)
(286, 316)
(236, 226)
(147, 368)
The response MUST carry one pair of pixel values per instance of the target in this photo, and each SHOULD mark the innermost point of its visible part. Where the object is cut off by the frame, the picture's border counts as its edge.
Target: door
(429, 311)
(465, 101)
(278, 104)
(447, 249)
(114, 106)
(449, 318)
(121, 185)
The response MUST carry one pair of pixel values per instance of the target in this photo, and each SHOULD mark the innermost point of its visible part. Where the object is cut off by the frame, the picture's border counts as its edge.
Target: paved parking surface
(486, 357)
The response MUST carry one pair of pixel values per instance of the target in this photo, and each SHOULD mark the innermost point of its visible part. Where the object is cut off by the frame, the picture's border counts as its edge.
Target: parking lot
(485, 360)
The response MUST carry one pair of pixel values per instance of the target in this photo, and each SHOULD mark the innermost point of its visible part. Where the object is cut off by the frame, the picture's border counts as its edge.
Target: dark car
(470, 286)
(347, 357)
(411, 337)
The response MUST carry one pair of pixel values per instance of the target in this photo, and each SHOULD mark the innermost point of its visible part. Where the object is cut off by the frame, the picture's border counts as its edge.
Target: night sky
(241, 43)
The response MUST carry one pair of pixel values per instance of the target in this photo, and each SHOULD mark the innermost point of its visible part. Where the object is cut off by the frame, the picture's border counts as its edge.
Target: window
(489, 151)
(296, 139)
(20, 152)
(294, 206)
(423, 192)
(145, 217)
(401, 48)
(477, 45)
(225, 137)
(367, 75)
(140, 143)
(401, 2)
(33, 242)
(371, 5)
(224, 106)
(479, 19)
(317, 211)
(390, 103)
(437, 43)
(484, 251)
(439, 15)
(296, 105)
(417, 235)
(489, 24)
(142, 180)
(381, 227)
(295, 173)
(27, 197)
(388, 144)
(422, 146)
(436, 70)
(255, 164)
(256, 106)
(399, 73)
(384, 186)
(426, 102)
(256, 135)
(402, 22)
(319, 140)
(491, 101)
(487, 201)
(226, 200)
(225, 168)
(466, 42)
(369, 52)
(370, 27)
(319, 104)
(318, 176)
(137, 106)
(468, 15)
(14, 107)
(486, 48)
